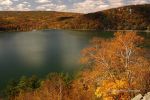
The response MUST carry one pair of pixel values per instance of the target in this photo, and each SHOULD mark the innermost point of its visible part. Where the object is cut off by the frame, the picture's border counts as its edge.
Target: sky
(79, 6)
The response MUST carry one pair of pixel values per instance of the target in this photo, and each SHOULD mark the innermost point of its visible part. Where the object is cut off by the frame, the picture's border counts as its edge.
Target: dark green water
(41, 52)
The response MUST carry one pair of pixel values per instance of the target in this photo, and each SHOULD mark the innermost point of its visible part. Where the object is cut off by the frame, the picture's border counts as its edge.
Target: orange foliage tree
(120, 59)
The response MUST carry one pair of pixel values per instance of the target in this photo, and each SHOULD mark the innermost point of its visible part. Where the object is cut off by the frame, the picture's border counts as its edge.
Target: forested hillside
(25, 21)
(130, 17)
(135, 17)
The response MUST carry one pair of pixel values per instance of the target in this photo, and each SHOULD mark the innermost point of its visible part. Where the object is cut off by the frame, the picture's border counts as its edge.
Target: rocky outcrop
(147, 96)
(140, 97)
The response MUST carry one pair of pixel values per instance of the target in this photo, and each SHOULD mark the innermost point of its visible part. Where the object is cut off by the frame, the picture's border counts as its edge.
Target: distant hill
(129, 17)
(134, 17)
(29, 20)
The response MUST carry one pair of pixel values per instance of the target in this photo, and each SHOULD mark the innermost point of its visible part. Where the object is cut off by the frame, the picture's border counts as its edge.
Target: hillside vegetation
(135, 17)
(24, 21)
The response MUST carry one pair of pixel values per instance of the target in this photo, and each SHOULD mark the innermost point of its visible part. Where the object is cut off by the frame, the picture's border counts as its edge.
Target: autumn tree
(53, 88)
(119, 59)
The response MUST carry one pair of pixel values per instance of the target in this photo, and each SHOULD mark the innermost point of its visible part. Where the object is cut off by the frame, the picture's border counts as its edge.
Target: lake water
(41, 52)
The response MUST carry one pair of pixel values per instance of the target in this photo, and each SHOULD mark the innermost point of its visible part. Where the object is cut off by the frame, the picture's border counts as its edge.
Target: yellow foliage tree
(119, 60)
(113, 90)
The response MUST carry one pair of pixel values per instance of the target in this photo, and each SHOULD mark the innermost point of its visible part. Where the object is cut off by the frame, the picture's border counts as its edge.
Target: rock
(138, 97)
(146, 96)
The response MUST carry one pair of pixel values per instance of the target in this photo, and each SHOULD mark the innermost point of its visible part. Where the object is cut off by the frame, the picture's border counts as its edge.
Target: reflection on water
(41, 52)
(30, 48)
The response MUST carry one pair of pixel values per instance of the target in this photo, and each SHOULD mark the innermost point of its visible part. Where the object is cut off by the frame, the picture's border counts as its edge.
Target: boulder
(146, 96)
(138, 97)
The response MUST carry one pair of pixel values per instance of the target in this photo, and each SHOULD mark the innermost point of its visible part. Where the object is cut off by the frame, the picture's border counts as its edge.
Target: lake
(41, 52)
